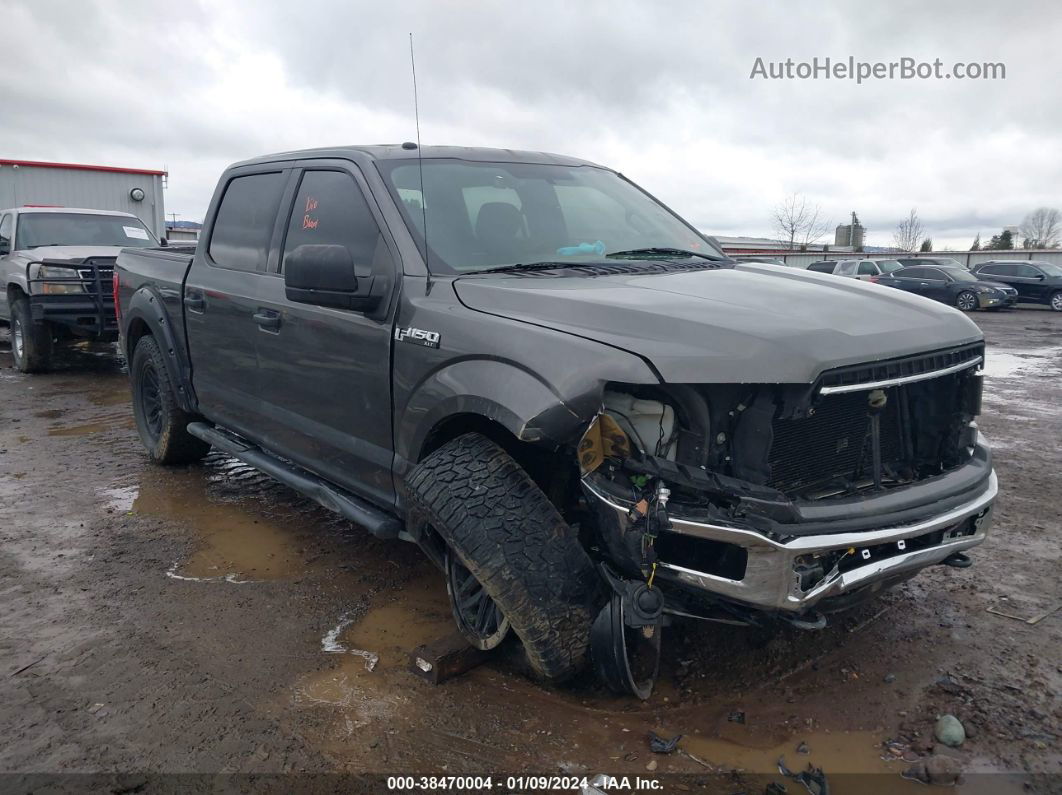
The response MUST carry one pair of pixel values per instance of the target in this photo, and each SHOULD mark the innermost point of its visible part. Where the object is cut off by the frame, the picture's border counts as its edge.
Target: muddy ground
(206, 620)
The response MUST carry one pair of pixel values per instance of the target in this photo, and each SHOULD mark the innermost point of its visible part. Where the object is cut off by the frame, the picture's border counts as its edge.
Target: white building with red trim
(29, 183)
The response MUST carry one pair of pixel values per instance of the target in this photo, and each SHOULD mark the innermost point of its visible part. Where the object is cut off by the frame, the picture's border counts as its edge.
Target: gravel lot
(205, 620)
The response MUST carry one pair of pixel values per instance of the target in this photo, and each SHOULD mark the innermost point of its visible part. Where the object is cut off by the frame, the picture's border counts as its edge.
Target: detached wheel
(1056, 301)
(966, 301)
(512, 559)
(31, 343)
(161, 423)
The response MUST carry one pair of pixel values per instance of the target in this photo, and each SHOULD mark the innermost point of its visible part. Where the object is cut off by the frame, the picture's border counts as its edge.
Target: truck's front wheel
(31, 343)
(160, 421)
(514, 559)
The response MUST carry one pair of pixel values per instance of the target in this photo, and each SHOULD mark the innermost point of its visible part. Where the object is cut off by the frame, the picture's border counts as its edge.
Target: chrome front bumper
(772, 581)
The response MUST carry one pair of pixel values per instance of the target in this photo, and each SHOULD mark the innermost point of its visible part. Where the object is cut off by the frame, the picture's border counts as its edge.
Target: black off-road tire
(31, 343)
(161, 423)
(508, 534)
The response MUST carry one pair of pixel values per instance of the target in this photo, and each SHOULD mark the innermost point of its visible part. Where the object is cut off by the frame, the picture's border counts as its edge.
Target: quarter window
(331, 210)
(244, 223)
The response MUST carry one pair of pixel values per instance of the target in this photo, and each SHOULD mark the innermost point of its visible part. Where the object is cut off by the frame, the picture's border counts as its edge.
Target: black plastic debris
(736, 717)
(812, 779)
(774, 788)
(803, 748)
(658, 745)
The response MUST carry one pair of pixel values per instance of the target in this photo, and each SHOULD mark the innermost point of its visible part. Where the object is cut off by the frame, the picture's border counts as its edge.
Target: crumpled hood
(747, 324)
(67, 252)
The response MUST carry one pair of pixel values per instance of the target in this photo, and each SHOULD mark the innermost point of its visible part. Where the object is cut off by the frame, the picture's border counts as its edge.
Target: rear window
(244, 223)
(822, 267)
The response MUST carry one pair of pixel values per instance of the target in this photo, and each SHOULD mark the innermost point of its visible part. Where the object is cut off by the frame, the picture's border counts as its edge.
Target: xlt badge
(418, 336)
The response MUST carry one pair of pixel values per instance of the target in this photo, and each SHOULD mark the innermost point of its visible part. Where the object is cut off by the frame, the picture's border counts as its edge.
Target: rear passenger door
(221, 297)
(1029, 282)
(326, 372)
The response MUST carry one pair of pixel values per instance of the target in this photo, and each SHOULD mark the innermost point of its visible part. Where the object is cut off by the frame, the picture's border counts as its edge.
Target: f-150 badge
(418, 336)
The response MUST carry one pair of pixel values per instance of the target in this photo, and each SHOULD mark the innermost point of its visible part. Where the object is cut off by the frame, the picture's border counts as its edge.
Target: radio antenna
(420, 161)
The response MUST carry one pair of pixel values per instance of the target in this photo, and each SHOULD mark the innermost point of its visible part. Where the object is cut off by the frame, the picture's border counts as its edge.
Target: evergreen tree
(927, 244)
(1006, 240)
(977, 243)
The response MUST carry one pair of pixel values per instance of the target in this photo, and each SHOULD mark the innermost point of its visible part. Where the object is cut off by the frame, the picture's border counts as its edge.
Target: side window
(990, 270)
(244, 223)
(846, 268)
(331, 210)
(1005, 269)
(1026, 271)
(934, 274)
(912, 273)
(6, 227)
(868, 269)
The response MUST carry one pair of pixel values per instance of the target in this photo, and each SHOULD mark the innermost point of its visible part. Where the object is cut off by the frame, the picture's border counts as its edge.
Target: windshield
(80, 229)
(488, 215)
(889, 265)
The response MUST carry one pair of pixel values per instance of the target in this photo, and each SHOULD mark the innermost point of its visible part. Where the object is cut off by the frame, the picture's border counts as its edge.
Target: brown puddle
(100, 424)
(235, 541)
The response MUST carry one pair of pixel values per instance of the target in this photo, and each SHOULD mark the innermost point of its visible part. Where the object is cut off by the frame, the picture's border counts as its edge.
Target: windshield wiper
(664, 251)
(529, 266)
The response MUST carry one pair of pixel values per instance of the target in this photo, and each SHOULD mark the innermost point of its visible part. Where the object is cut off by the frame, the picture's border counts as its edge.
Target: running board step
(357, 510)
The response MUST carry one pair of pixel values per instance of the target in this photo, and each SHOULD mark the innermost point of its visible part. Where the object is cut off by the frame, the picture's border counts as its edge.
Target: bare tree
(798, 222)
(1042, 228)
(909, 233)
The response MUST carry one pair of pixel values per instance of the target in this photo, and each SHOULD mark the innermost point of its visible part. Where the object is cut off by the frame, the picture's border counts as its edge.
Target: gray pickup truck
(56, 267)
(586, 415)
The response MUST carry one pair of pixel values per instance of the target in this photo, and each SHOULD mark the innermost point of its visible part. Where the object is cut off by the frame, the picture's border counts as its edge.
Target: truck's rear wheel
(161, 423)
(507, 535)
(31, 343)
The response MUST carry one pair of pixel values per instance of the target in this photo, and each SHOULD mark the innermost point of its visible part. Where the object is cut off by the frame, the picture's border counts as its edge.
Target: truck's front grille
(104, 266)
(921, 427)
(834, 442)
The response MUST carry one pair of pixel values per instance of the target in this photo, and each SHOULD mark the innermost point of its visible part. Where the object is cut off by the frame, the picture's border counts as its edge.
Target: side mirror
(324, 275)
(1040, 277)
(163, 242)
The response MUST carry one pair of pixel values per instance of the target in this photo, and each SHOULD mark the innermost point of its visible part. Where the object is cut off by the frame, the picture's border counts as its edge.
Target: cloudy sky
(660, 91)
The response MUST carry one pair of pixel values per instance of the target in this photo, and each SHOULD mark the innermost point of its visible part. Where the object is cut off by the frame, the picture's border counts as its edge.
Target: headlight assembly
(67, 281)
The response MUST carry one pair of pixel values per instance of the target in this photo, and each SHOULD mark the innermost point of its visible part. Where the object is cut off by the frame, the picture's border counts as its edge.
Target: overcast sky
(660, 91)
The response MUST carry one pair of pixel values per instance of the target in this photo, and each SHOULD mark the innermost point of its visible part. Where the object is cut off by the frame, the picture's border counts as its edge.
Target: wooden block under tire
(445, 658)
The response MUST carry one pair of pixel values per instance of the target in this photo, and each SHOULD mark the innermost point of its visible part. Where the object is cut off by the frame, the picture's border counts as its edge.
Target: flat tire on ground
(507, 534)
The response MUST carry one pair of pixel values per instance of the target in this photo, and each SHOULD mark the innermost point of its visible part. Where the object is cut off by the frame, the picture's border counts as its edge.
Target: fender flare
(528, 407)
(147, 306)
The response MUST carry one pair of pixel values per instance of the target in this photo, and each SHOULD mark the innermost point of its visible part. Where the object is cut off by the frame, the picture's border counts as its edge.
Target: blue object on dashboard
(583, 248)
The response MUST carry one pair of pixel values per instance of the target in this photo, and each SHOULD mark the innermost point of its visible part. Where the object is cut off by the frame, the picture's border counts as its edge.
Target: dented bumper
(795, 573)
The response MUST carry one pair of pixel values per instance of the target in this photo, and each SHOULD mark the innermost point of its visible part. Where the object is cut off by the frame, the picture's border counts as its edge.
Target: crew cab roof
(398, 152)
(78, 210)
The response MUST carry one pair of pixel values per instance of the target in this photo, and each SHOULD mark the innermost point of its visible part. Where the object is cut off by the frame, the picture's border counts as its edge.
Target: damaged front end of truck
(745, 503)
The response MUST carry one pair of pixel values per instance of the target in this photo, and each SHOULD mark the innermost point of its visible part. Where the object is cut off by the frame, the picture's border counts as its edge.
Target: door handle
(195, 302)
(267, 319)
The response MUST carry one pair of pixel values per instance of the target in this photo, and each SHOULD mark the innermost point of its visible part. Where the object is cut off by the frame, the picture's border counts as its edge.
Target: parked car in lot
(931, 262)
(56, 266)
(867, 270)
(953, 285)
(1035, 282)
(583, 412)
(757, 258)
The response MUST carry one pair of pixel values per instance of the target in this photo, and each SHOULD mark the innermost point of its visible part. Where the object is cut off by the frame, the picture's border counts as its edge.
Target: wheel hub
(480, 620)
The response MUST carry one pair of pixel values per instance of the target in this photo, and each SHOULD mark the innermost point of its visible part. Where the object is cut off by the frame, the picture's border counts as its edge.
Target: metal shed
(131, 190)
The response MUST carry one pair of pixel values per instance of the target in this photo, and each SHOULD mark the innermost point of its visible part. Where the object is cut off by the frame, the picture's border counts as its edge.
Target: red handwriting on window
(308, 221)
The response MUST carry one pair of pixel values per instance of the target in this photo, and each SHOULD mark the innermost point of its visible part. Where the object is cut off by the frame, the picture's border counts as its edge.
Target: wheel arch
(146, 315)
